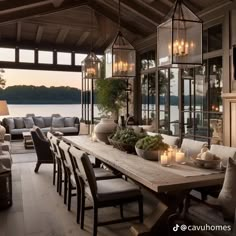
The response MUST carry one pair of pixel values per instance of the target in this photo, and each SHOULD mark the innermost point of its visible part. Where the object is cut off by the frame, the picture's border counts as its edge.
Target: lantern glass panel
(123, 62)
(164, 49)
(120, 59)
(180, 38)
(108, 61)
(91, 67)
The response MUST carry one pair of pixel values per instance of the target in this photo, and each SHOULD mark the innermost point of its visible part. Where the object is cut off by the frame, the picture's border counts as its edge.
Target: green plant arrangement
(152, 143)
(125, 139)
(150, 147)
(111, 95)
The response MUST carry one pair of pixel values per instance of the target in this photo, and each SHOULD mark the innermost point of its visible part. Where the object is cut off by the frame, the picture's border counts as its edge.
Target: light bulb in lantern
(186, 48)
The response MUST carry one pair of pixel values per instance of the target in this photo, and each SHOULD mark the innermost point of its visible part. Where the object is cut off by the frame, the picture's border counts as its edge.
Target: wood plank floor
(38, 210)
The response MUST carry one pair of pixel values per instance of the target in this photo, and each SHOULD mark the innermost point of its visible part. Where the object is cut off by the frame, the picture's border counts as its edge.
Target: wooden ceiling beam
(73, 26)
(160, 6)
(113, 16)
(48, 46)
(82, 38)
(143, 12)
(9, 5)
(18, 31)
(192, 5)
(39, 34)
(62, 35)
(40, 10)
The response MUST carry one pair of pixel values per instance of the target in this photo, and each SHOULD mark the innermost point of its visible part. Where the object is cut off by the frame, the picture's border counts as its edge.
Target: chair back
(85, 168)
(223, 152)
(64, 151)
(42, 145)
(192, 147)
(55, 142)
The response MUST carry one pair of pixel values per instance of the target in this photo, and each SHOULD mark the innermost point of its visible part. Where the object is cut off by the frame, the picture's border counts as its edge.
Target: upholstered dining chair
(69, 183)
(53, 151)
(104, 193)
(42, 148)
(60, 168)
(100, 174)
(192, 147)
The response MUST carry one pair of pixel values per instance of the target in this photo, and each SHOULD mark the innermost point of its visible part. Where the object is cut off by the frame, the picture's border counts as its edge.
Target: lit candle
(186, 48)
(120, 66)
(169, 47)
(115, 67)
(165, 160)
(171, 154)
(125, 67)
(180, 157)
(94, 137)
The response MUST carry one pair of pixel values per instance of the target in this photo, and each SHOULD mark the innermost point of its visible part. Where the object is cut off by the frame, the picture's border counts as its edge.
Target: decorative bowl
(212, 164)
(123, 146)
(148, 155)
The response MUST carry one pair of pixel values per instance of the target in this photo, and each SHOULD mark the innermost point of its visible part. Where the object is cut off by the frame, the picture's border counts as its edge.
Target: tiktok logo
(175, 228)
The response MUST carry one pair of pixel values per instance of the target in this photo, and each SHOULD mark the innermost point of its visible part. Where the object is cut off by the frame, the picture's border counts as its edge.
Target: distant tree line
(23, 94)
(40, 95)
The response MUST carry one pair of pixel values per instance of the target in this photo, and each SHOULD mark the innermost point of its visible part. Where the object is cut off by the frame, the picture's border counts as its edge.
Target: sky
(38, 78)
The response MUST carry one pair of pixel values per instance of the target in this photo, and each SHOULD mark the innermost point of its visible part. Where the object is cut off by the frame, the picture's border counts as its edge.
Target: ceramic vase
(105, 128)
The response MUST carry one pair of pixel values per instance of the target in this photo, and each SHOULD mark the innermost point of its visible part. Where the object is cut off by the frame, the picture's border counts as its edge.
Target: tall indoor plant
(111, 95)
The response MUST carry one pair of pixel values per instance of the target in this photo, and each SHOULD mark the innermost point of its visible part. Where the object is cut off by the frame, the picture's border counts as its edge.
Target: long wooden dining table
(169, 187)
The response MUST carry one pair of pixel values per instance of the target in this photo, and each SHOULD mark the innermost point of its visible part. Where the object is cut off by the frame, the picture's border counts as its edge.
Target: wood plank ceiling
(66, 24)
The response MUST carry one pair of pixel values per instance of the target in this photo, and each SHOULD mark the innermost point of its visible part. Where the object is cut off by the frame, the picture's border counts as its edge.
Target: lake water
(48, 110)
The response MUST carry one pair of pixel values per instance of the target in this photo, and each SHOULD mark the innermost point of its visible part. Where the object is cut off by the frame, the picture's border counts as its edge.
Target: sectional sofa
(16, 125)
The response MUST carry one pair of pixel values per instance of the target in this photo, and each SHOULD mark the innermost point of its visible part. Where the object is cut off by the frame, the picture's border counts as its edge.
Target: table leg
(167, 206)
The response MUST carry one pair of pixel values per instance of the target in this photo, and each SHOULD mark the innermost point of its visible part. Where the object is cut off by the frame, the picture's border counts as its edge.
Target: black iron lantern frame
(120, 58)
(179, 38)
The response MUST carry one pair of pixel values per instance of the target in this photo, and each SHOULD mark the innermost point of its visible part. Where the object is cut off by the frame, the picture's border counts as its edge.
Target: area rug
(17, 147)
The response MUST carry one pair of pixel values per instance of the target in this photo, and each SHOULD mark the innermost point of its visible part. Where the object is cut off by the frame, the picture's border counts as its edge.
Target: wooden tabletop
(148, 173)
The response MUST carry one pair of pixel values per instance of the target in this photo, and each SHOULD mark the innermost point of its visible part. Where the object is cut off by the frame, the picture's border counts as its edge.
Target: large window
(212, 39)
(198, 113)
(148, 88)
(168, 101)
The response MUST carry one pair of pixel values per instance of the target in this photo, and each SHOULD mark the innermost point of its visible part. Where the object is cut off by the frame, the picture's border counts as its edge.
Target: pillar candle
(180, 157)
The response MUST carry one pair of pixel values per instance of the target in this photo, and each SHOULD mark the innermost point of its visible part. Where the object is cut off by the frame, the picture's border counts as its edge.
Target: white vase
(105, 128)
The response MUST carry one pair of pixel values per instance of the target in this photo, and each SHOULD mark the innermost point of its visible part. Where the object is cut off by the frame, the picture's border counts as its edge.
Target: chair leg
(95, 221)
(121, 211)
(37, 167)
(140, 206)
(78, 206)
(69, 196)
(65, 188)
(58, 177)
(54, 172)
(82, 211)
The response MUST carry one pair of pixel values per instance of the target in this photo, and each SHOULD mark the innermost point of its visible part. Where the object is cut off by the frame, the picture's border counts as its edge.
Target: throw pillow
(227, 196)
(11, 123)
(58, 122)
(39, 122)
(47, 121)
(69, 121)
(19, 123)
(29, 122)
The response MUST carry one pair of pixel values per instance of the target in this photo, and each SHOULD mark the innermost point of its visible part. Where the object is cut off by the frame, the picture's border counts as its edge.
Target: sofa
(15, 126)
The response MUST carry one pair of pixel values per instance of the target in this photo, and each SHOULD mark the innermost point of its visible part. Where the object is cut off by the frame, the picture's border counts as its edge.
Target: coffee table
(28, 142)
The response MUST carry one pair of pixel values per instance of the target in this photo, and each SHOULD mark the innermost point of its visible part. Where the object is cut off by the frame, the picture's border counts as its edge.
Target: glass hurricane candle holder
(180, 157)
(165, 159)
(94, 137)
(172, 153)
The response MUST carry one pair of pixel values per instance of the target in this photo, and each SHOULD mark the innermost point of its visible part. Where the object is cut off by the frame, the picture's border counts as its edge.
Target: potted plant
(110, 97)
(150, 147)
